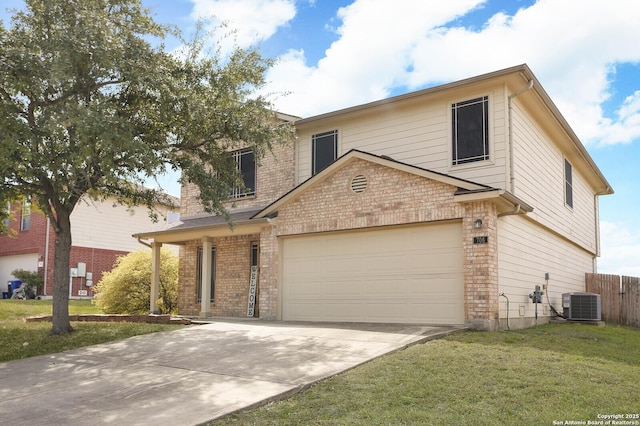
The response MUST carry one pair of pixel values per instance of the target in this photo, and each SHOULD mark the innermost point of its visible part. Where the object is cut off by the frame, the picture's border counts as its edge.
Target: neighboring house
(422, 208)
(100, 231)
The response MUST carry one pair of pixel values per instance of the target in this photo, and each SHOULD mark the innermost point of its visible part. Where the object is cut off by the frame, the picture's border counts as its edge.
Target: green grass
(566, 372)
(19, 339)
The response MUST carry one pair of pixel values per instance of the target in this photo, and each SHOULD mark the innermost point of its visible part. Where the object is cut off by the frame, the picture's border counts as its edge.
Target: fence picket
(619, 297)
(630, 312)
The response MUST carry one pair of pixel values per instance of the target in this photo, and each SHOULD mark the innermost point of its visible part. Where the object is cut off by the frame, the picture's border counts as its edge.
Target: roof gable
(353, 155)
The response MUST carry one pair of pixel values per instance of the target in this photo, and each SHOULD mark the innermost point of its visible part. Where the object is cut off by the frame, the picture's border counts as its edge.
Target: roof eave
(180, 235)
(505, 201)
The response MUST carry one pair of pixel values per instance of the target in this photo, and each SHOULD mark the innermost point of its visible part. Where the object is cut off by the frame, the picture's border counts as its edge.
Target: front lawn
(19, 339)
(562, 373)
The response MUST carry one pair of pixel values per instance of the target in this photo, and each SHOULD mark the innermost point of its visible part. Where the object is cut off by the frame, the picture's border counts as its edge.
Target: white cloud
(571, 45)
(368, 60)
(626, 126)
(252, 20)
(620, 248)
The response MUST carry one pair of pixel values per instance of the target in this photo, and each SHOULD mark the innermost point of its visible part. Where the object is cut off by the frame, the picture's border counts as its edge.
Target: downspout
(514, 211)
(144, 243)
(512, 178)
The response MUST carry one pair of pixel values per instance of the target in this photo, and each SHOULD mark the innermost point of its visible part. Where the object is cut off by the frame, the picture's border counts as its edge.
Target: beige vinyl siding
(101, 225)
(526, 251)
(417, 132)
(539, 181)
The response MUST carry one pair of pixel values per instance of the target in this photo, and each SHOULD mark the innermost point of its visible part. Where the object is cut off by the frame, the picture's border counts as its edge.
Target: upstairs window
(246, 164)
(25, 221)
(568, 184)
(470, 124)
(324, 150)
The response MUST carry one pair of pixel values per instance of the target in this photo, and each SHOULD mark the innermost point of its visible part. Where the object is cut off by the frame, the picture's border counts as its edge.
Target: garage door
(401, 274)
(8, 264)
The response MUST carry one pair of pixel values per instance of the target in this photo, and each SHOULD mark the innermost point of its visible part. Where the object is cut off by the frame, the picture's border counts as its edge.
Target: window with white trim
(470, 130)
(246, 164)
(324, 150)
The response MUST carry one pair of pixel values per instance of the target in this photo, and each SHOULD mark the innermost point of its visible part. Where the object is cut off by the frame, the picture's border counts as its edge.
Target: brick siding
(233, 262)
(392, 197)
(395, 197)
(274, 177)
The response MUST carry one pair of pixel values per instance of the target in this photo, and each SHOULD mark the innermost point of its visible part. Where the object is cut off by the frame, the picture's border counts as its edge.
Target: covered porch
(201, 240)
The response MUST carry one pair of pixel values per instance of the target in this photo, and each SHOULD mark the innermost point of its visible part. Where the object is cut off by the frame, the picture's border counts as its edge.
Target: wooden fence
(620, 297)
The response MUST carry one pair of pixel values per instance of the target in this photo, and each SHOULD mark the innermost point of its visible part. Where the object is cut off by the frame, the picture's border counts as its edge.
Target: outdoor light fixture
(478, 224)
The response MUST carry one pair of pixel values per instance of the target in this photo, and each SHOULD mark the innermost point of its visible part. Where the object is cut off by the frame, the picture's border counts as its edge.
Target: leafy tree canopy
(89, 107)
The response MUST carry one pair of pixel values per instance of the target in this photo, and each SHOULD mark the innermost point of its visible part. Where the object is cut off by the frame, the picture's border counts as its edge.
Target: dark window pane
(568, 184)
(470, 123)
(254, 254)
(248, 170)
(324, 150)
(246, 164)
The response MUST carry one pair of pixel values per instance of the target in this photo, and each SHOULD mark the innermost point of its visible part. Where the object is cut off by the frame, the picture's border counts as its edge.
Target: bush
(126, 288)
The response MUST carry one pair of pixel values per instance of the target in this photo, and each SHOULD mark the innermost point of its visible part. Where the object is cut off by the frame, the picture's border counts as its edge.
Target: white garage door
(8, 264)
(401, 274)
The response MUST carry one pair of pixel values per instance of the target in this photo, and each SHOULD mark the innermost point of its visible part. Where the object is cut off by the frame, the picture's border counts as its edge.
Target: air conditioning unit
(581, 306)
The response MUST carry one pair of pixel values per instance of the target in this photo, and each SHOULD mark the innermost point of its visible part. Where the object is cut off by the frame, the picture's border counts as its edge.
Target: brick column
(480, 266)
(268, 276)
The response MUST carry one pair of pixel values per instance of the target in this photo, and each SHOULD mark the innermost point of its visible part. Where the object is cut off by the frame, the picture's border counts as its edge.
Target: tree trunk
(60, 322)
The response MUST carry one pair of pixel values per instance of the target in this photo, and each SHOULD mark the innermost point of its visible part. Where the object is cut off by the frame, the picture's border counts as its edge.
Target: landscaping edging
(154, 319)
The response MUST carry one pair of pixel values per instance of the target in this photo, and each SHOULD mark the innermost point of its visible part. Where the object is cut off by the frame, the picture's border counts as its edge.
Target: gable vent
(359, 184)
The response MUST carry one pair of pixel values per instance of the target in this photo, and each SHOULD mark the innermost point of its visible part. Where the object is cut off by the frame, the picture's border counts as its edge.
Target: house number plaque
(480, 240)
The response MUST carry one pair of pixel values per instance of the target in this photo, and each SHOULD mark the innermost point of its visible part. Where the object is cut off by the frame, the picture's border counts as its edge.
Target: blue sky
(333, 54)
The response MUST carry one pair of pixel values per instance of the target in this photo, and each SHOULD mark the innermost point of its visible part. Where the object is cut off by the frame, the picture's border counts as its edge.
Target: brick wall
(98, 261)
(481, 266)
(275, 176)
(28, 241)
(233, 261)
(393, 197)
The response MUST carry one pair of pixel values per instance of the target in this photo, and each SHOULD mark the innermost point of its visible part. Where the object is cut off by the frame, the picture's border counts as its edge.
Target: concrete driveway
(192, 375)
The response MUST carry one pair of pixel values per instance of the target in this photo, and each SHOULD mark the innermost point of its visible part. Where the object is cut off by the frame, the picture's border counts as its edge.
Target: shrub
(126, 288)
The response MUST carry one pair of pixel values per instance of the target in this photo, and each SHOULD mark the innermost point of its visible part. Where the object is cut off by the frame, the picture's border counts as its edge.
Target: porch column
(155, 277)
(205, 273)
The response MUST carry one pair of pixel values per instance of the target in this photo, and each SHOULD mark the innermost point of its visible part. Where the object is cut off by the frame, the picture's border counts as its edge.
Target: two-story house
(432, 207)
(101, 232)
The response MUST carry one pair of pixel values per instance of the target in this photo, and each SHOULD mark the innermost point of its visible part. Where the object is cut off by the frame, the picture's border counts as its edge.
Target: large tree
(91, 105)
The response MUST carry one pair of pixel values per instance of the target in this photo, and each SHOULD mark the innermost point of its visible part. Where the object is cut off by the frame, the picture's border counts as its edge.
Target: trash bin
(5, 294)
(13, 285)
